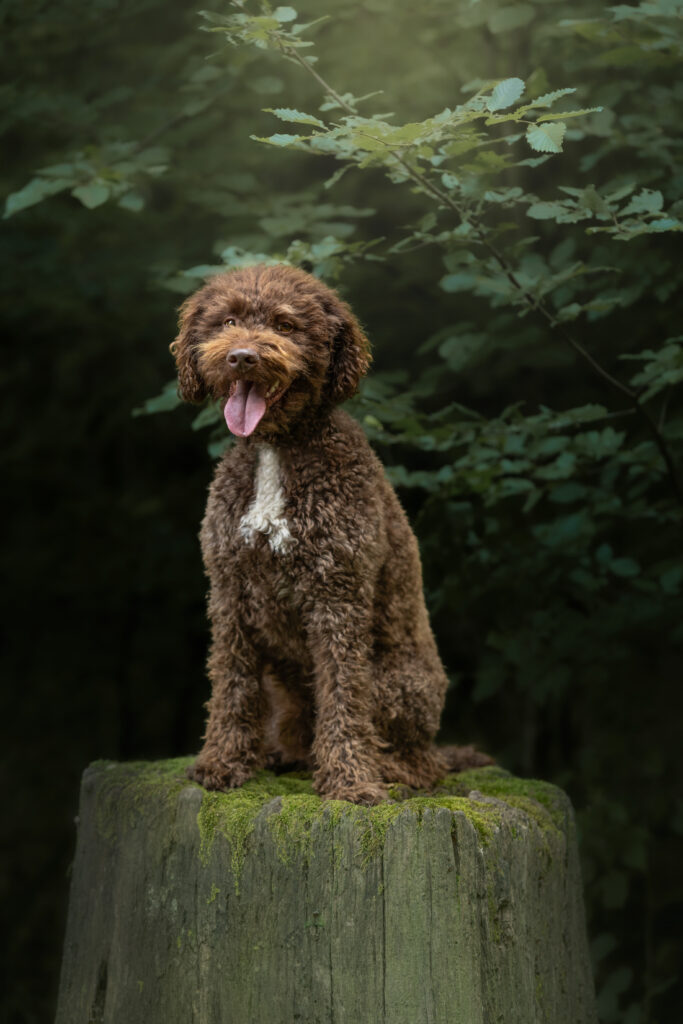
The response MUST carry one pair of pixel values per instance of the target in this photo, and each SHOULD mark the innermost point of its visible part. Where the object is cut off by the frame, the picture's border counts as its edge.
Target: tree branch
(535, 304)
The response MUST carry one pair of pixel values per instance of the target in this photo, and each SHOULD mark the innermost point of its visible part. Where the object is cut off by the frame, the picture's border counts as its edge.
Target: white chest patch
(265, 514)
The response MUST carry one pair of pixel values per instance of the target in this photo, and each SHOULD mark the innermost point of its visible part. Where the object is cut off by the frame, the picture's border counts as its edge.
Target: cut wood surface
(268, 905)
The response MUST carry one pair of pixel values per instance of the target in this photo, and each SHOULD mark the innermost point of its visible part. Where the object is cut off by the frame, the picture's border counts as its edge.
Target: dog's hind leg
(289, 733)
(411, 690)
(417, 768)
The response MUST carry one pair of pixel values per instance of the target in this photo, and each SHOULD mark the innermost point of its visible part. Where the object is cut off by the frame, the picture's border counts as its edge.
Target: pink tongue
(244, 408)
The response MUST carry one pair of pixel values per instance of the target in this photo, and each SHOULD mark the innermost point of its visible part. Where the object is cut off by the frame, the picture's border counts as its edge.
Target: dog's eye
(230, 322)
(284, 327)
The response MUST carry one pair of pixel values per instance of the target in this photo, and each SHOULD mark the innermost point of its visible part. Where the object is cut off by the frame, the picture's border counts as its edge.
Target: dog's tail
(459, 759)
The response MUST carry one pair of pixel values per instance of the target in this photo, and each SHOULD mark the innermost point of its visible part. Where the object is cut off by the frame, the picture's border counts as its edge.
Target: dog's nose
(241, 358)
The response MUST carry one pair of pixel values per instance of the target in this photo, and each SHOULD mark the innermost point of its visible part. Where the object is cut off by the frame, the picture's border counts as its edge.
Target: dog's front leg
(233, 741)
(346, 747)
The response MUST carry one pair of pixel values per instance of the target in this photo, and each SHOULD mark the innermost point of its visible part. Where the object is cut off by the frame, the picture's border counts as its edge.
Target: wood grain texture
(270, 906)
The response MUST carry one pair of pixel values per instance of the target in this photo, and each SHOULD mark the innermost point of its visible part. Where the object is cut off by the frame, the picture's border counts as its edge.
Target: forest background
(510, 238)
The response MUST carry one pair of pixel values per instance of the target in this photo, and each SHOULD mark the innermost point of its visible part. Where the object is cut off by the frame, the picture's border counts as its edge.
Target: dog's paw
(220, 775)
(367, 793)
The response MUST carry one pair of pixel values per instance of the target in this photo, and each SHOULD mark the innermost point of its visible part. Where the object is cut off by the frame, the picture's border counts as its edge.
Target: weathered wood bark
(270, 906)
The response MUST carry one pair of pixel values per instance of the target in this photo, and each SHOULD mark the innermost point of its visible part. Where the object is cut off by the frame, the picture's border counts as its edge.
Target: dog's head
(272, 341)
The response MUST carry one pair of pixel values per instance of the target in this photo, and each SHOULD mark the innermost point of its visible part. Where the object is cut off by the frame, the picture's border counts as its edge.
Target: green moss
(541, 801)
(373, 823)
(233, 814)
(292, 825)
(126, 791)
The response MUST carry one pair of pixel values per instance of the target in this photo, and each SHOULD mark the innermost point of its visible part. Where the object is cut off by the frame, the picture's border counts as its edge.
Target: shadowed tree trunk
(268, 905)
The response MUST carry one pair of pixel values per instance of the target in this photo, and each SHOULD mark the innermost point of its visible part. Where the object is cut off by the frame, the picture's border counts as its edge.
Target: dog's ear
(191, 386)
(350, 352)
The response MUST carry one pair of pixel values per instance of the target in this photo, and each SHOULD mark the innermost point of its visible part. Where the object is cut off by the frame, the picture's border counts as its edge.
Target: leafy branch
(503, 94)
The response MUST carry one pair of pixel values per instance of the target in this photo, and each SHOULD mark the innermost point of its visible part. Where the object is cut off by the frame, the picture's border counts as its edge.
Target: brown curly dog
(322, 654)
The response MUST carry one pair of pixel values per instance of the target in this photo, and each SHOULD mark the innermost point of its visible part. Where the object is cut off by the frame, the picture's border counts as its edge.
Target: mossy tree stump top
(268, 904)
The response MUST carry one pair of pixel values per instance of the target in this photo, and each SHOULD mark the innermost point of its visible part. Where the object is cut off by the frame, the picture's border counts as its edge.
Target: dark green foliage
(511, 239)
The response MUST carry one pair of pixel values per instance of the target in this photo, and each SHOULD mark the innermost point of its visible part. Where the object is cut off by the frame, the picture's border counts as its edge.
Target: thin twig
(291, 52)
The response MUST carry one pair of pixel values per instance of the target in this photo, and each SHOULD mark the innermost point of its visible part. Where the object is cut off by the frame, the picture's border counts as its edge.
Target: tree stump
(267, 905)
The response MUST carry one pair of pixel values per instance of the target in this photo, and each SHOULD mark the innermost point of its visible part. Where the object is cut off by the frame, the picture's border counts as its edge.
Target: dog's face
(273, 342)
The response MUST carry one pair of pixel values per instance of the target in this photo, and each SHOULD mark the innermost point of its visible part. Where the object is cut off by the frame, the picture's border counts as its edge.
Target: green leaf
(280, 140)
(284, 14)
(209, 414)
(65, 170)
(505, 94)
(664, 224)
(532, 161)
(304, 26)
(457, 282)
(338, 174)
(573, 113)
(294, 116)
(233, 256)
(549, 98)
(591, 200)
(646, 201)
(202, 271)
(562, 467)
(164, 402)
(36, 190)
(132, 201)
(459, 350)
(565, 530)
(545, 211)
(93, 194)
(546, 138)
(625, 567)
(662, 369)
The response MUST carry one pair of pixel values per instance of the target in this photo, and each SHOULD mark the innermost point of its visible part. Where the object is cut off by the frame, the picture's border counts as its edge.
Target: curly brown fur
(322, 654)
